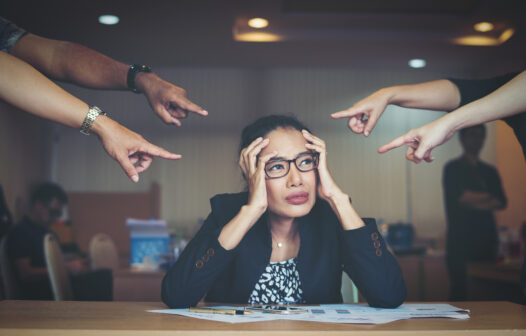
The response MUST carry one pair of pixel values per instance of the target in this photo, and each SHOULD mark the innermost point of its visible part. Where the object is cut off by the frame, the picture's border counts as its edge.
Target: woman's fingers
(251, 156)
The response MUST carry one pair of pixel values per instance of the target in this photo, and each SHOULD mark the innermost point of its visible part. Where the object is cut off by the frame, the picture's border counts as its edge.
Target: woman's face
(294, 194)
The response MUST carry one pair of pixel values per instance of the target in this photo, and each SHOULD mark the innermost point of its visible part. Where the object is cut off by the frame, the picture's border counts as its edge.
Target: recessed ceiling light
(108, 19)
(417, 63)
(258, 23)
(483, 27)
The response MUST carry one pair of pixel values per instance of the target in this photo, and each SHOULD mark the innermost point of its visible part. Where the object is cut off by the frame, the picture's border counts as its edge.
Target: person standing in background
(472, 191)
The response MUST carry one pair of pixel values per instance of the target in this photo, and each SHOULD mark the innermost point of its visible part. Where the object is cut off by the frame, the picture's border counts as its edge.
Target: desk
(495, 282)
(43, 318)
(133, 285)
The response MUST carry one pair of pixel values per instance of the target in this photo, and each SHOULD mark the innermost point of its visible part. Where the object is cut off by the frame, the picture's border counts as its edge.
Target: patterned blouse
(279, 284)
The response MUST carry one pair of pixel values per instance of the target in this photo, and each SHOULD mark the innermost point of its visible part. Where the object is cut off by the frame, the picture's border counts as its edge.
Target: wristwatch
(93, 113)
(132, 72)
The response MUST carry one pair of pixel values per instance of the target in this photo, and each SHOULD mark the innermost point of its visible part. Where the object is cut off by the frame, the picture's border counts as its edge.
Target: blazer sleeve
(201, 262)
(372, 267)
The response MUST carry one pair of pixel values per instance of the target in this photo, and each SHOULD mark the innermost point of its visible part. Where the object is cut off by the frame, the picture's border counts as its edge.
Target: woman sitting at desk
(289, 237)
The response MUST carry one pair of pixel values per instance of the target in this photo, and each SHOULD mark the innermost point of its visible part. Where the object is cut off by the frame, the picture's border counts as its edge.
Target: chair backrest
(103, 252)
(7, 275)
(58, 273)
(349, 290)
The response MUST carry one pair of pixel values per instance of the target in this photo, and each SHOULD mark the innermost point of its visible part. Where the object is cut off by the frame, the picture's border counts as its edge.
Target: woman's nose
(294, 177)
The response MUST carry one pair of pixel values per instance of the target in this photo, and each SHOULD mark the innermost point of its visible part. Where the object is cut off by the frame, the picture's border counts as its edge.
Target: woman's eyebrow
(281, 158)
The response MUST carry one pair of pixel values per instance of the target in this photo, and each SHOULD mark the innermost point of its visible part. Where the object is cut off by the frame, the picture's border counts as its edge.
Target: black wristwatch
(132, 72)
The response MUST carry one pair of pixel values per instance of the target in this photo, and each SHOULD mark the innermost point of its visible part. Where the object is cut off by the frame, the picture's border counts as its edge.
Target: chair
(349, 290)
(103, 252)
(58, 273)
(7, 275)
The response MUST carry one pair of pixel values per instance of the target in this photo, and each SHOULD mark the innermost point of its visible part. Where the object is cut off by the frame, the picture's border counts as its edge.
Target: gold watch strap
(93, 113)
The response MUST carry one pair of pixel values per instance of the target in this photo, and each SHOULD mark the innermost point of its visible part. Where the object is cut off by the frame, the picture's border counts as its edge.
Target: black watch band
(132, 72)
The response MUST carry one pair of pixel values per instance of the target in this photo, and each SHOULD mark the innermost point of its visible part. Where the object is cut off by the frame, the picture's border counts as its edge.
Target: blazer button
(199, 263)
(210, 251)
(378, 252)
(376, 244)
(374, 236)
(206, 257)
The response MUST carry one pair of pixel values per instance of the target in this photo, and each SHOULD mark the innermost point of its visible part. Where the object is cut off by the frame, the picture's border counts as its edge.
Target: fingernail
(204, 112)
(135, 178)
(366, 133)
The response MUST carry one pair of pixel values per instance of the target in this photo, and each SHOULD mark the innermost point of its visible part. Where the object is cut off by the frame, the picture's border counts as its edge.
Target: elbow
(391, 300)
(174, 296)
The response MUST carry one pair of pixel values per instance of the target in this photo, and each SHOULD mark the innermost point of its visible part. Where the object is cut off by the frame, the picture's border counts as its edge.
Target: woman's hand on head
(327, 188)
(253, 166)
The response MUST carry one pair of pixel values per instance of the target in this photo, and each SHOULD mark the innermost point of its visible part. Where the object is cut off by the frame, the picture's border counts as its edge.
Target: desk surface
(43, 318)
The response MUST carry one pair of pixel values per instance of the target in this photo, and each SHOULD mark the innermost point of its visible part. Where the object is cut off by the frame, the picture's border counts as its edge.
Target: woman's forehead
(287, 142)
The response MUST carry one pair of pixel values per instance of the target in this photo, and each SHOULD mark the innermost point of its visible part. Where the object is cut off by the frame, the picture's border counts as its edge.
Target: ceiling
(379, 34)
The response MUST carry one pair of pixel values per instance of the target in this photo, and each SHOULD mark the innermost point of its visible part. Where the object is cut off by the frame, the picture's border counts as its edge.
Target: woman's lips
(298, 198)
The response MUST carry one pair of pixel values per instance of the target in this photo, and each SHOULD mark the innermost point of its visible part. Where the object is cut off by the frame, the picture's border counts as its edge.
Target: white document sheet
(336, 313)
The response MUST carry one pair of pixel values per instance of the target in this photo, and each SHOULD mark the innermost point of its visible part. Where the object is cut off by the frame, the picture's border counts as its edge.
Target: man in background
(26, 251)
(472, 190)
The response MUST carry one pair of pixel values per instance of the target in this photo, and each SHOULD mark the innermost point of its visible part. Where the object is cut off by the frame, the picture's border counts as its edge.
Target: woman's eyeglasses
(276, 168)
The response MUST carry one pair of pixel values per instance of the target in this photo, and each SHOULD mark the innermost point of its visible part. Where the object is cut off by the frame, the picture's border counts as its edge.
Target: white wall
(24, 154)
(383, 186)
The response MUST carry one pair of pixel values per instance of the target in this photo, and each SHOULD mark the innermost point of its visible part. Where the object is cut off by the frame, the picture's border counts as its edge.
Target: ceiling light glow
(484, 27)
(258, 23)
(417, 63)
(108, 19)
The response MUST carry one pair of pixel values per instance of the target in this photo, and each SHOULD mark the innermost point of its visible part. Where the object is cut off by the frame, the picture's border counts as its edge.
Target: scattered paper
(337, 313)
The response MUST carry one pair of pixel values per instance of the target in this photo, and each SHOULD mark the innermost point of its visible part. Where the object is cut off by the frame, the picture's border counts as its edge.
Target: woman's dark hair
(267, 124)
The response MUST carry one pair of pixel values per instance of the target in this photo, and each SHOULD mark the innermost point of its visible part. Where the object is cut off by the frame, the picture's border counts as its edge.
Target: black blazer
(326, 249)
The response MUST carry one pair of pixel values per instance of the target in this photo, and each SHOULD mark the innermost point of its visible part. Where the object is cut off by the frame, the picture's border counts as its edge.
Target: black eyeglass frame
(315, 158)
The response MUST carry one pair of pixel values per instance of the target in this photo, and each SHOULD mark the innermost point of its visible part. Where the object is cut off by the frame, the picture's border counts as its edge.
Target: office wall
(24, 154)
(383, 186)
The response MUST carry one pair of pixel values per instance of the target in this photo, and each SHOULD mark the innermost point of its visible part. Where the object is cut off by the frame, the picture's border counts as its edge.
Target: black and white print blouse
(279, 284)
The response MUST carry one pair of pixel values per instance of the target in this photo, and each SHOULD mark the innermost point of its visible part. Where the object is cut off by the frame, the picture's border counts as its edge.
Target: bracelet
(93, 113)
(132, 72)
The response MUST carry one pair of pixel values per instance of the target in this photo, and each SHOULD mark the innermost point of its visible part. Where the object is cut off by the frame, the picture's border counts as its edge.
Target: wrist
(337, 199)
(102, 126)
(391, 94)
(144, 80)
(253, 211)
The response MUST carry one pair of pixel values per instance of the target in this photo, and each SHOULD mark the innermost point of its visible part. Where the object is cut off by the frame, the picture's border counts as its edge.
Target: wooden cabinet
(425, 276)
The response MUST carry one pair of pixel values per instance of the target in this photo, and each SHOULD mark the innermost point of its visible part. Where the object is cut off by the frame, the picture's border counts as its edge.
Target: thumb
(128, 168)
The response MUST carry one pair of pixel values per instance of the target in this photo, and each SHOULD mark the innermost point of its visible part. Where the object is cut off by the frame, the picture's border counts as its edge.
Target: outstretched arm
(26, 88)
(441, 95)
(72, 62)
(506, 101)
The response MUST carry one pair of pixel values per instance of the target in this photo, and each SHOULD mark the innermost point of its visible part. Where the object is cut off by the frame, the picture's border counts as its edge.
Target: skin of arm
(441, 95)
(72, 62)
(506, 101)
(329, 190)
(49, 101)
(29, 273)
(480, 201)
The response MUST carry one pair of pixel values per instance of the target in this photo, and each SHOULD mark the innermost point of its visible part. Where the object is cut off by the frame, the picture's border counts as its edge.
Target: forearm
(506, 101)
(345, 212)
(28, 273)
(490, 204)
(441, 95)
(233, 232)
(25, 88)
(372, 267)
(72, 62)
